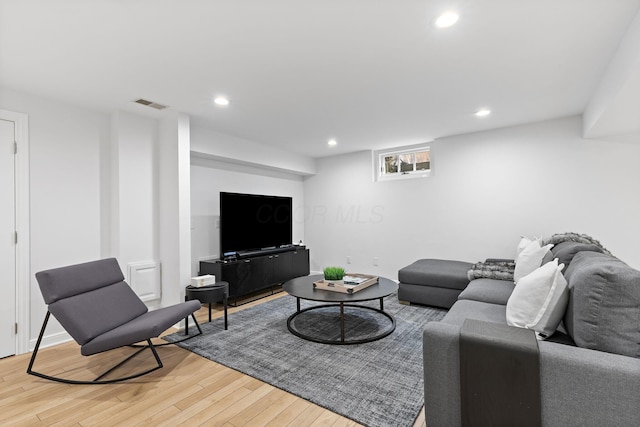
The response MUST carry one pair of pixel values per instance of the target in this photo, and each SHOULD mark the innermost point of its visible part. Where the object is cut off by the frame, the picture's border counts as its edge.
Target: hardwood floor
(188, 391)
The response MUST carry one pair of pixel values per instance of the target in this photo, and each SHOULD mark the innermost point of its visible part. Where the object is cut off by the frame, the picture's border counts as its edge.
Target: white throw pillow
(540, 299)
(529, 259)
(524, 242)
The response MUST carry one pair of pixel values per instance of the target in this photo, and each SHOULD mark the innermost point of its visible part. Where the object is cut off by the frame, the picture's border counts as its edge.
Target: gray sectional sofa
(589, 371)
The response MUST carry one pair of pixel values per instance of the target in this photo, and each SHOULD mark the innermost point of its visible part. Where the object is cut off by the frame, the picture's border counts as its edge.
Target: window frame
(378, 160)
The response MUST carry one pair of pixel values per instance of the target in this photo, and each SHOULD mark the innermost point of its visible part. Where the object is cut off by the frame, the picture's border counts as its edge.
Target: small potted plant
(334, 275)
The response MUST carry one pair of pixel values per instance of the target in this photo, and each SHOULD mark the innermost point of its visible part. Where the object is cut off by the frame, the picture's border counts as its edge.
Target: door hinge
(15, 147)
(15, 233)
(16, 328)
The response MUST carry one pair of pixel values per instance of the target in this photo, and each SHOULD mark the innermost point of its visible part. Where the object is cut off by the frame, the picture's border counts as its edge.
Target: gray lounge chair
(101, 312)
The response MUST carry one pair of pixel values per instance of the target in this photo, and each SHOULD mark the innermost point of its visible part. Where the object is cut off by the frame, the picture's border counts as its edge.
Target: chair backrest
(89, 299)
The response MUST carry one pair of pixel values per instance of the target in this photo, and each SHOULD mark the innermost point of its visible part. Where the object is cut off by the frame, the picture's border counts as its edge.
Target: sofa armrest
(578, 386)
(588, 387)
(499, 375)
(441, 361)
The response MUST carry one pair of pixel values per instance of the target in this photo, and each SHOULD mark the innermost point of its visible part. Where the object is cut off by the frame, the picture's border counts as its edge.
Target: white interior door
(7, 240)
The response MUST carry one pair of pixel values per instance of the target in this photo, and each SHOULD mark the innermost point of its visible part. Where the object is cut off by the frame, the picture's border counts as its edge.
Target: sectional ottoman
(434, 282)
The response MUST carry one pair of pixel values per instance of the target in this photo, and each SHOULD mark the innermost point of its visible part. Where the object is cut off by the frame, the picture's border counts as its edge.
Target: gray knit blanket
(503, 270)
(499, 270)
(573, 237)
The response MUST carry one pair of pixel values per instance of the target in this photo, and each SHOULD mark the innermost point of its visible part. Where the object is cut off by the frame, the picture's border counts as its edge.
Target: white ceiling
(370, 73)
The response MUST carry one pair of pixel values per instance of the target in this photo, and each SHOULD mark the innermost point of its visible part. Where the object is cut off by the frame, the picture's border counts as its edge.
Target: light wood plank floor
(188, 391)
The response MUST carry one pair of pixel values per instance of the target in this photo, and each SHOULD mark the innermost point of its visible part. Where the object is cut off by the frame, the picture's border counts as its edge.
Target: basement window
(407, 162)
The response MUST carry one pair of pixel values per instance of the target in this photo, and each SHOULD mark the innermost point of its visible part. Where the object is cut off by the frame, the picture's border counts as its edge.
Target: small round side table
(208, 294)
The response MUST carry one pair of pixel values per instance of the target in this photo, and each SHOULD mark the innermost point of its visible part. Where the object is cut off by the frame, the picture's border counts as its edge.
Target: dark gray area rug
(376, 384)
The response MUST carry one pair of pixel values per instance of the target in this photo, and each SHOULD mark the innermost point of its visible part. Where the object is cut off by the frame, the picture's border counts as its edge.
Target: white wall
(210, 177)
(65, 179)
(96, 192)
(174, 214)
(487, 189)
(119, 185)
(614, 106)
(149, 193)
(134, 194)
(207, 142)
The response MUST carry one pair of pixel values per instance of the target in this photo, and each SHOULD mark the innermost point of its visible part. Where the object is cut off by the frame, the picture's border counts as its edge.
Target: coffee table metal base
(342, 340)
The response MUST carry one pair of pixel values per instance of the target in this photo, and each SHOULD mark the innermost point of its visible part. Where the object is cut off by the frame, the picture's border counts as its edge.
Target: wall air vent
(150, 104)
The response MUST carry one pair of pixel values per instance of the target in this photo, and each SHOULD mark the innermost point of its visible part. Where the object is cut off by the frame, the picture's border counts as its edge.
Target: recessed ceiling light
(332, 142)
(483, 112)
(221, 101)
(447, 19)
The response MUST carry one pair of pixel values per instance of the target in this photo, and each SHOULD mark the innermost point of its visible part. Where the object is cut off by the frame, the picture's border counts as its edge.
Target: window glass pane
(406, 162)
(391, 164)
(423, 161)
(403, 163)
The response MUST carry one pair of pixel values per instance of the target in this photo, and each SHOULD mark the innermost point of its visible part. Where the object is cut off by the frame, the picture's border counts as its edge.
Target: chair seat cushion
(436, 273)
(148, 325)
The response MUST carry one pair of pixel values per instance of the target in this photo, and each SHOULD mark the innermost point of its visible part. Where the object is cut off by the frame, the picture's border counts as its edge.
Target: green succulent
(333, 273)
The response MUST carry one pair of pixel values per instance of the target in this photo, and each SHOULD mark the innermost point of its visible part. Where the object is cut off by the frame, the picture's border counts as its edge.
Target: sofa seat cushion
(436, 273)
(467, 309)
(604, 304)
(488, 290)
(427, 295)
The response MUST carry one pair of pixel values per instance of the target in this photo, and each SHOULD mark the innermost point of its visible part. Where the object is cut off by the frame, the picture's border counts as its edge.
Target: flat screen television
(252, 222)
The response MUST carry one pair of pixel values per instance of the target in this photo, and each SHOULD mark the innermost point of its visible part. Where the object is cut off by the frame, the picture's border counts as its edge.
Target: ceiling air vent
(150, 104)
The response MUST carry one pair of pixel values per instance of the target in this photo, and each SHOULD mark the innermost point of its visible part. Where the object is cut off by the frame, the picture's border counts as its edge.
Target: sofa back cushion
(604, 304)
(565, 251)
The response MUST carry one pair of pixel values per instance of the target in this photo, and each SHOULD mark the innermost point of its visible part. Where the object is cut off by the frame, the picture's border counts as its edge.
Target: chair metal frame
(99, 380)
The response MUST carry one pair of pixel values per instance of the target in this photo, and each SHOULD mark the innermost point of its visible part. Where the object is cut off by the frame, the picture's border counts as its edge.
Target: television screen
(251, 222)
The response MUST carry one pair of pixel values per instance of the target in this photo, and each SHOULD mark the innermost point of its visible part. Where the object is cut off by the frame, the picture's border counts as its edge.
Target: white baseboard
(51, 340)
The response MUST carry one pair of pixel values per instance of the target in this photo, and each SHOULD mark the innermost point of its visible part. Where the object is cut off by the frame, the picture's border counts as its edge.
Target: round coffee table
(302, 288)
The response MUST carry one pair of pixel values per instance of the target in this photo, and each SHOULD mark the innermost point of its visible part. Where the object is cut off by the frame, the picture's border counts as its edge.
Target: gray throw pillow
(565, 251)
(604, 304)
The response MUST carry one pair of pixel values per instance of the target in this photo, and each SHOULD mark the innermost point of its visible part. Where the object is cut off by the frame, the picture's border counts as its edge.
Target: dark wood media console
(257, 273)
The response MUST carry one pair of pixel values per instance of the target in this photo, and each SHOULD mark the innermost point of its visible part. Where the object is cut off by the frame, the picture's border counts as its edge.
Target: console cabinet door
(281, 267)
(238, 274)
(259, 272)
(300, 263)
(246, 276)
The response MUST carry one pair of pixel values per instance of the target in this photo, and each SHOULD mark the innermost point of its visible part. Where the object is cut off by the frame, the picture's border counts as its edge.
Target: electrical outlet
(348, 260)
(375, 261)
